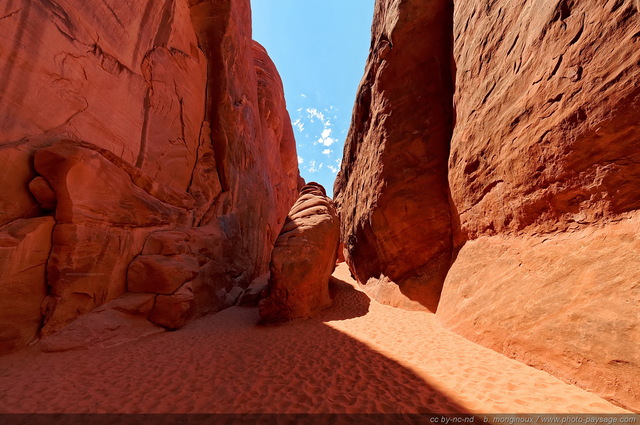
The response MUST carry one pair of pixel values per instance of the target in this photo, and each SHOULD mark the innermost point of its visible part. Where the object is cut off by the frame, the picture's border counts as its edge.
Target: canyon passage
(161, 253)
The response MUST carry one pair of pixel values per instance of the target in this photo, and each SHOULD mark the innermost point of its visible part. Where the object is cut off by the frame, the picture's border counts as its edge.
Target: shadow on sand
(225, 364)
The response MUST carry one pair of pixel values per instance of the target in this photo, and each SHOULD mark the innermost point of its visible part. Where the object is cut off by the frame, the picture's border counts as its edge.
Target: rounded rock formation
(303, 259)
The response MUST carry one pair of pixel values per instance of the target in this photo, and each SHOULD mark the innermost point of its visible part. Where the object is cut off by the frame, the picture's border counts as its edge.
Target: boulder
(15, 174)
(173, 311)
(303, 259)
(255, 292)
(44, 194)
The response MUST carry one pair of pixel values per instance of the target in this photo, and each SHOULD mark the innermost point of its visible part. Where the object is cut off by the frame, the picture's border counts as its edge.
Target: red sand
(358, 357)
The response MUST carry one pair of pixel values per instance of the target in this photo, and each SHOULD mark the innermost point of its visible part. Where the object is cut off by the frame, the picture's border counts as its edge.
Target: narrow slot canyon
(166, 248)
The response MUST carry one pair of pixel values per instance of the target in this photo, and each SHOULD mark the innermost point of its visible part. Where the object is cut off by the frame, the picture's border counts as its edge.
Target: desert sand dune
(356, 357)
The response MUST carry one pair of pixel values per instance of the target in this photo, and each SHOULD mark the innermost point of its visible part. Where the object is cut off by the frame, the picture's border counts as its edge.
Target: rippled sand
(357, 357)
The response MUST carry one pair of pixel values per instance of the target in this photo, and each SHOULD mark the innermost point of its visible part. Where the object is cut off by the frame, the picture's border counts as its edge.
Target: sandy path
(358, 356)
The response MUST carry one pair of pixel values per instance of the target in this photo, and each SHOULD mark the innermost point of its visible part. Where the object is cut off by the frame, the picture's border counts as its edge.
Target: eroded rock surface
(392, 190)
(531, 222)
(537, 206)
(129, 124)
(25, 245)
(303, 259)
(545, 175)
(567, 303)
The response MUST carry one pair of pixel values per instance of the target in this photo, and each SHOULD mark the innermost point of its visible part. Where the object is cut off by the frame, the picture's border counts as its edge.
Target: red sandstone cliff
(545, 175)
(145, 148)
(392, 189)
(537, 250)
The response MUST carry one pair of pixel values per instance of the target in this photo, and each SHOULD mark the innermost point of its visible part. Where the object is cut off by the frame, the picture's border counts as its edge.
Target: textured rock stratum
(303, 259)
(532, 225)
(392, 190)
(147, 148)
(545, 175)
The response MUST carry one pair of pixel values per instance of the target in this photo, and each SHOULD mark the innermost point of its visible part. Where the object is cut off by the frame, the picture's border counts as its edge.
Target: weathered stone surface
(543, 176)
(252, 133)
(544, 169)
(15, 174)
(43, 192)
(173, 311)
(277, 131)
(25, 245)
(90, 188)
(340, 253)
(161, 274)
(135, 304)
(102, 219)
(547, 103)
(392, 189)
(129, 78)
(567, 303)
(207, 251)
(173, 118)
(303, 259)
(255, 292)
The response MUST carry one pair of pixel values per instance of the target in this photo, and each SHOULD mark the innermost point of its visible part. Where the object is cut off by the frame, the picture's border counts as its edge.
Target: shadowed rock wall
(392, 189)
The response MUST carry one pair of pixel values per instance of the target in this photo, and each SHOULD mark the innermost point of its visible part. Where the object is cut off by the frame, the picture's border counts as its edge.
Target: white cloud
(299, 125)
(327, 152)
(300, 160)
(303, 95)
(314, 113)
(327, 141)
(333, 169)
(325, 138)
(312, 167)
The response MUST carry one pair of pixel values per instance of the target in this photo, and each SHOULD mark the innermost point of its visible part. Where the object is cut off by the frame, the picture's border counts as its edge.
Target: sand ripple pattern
(356, 357)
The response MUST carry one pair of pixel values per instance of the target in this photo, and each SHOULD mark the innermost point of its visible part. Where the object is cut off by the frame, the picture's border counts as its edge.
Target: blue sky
(320, 48)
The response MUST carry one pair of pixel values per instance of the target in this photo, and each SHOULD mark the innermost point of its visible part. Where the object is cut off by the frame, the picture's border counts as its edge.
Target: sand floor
(357, 357)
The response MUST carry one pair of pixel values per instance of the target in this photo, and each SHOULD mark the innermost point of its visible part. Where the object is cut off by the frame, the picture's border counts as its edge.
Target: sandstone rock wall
(392, 189)
(538, 238)
(148, 137)
(545, 175)
(547, 104)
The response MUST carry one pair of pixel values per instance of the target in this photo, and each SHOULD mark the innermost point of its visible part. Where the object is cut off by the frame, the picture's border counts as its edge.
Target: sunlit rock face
(303, 259)
(545, 175)
(137, 140)
(392, 190)
(531, 223)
